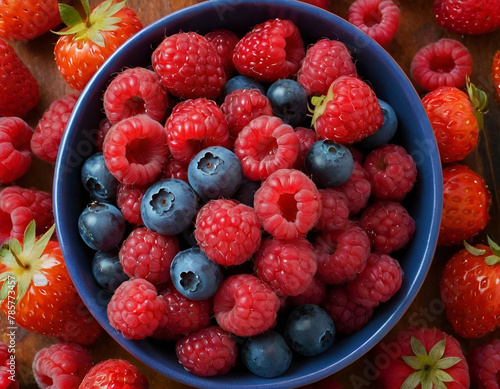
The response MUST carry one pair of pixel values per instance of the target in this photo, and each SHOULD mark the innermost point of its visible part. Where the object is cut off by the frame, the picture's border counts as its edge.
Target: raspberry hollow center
(139, 152)
(442, 64)
(135, 105)
(288, 207)
(268, 148)
(372, 18)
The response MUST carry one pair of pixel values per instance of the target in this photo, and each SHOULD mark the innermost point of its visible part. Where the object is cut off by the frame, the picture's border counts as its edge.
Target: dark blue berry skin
(108, 270)
(246, 192)
(328, 163)
(241, 82)
(194, 275)
(386, 132)
(215, 172)
(309, 330)
(289, 101)
(101, 226)
(97, 179)
(169, 206)
(266, 355)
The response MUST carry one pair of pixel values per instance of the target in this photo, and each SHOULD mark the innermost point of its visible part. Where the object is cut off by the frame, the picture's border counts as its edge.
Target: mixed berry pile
(244, 189)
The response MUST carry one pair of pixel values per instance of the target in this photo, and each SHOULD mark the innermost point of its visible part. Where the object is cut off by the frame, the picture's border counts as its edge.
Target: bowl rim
(378, 332)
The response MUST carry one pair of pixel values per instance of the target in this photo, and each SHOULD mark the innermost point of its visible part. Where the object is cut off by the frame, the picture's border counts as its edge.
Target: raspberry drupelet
(288, 204)
(224, 41)
(128, 200)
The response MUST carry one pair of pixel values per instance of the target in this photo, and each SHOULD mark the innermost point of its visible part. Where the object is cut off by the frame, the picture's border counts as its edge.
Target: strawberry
(468, 16)
(19, 90)
(37, 293)
(495, 73)
(85, 44)
(114, 373)
(466, 203)
(421, 358)
(456, 118)
(469, 289)
(26, 20)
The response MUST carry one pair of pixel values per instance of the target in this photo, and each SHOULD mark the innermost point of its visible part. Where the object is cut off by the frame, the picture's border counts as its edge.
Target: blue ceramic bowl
(389, 83)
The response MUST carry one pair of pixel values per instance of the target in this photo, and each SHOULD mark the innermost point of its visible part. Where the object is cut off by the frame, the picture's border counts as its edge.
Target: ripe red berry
(135, 150)
(147, 254)
(189, 66)
(266, 145)
(325, 60)
(270, 51)
(288, 204)
(128, 200)
(49, 130)
(193, 125)
(208, 352)
(341, 254)
(314, 293)
(392, 172)
(378, 282)
(135, 309)
(446, 62)
(334, 210)
(227, 231)
(288, 266)
(377, 18)
(484, 364)
(114, 373)
(61, 365)
(135, 91)
(307, 136)
(15, 149)
(357, 189)
(245, 306)
(224, 41)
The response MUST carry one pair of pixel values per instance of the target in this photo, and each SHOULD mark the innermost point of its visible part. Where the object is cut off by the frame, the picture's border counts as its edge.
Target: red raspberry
(325, 60)
(313, 294)
(377, 18)
(357, 189)
(270, 51)
(243, 105)
(334, 210)
(389, 226)
(341, 254)
(348, 316)
(175, 169)
(8, 380)
(61, 365)
(50, 128)
(245, 306)
(15, 149)
(135, 150)
(446, 62)
(348, 113)
(189, 66)
(208, 352)
(318, 3)
(307, 136)
(484, 365)
(128, 200)
(378, 282)
(135, 309)
(288, 266)
(228, 231)
(194, 125)
(147, 254)
(224, 42)
(183, 315)
(102, 130)
(19, 206)
(135, 91)
(288, 204)
(266, 145)
(114, 373)
(391, 171)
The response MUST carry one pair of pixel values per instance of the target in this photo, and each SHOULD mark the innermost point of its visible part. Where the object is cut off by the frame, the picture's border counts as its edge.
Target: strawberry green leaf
(4, 291)
(413, 380)
(474, 250)
(86, 7)
(417, 347)
(69, 15)
(446, 363)
(479, 101)
(437, 351)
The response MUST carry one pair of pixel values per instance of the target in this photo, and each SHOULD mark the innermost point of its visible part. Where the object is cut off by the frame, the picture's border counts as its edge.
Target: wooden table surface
(417, 28)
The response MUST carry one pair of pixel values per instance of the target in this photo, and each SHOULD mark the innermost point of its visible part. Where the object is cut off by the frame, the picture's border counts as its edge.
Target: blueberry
(97, 179)
(215, 172)
(289, 101)
(108, 270)
(101, 226)
(241, 82)
(309, 330)
(266, 355)
(169, 206)
(386, 132)
(246, 191)
(328, 163)
(194, 275)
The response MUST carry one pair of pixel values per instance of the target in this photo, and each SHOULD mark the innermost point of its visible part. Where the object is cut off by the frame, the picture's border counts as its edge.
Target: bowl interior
(389, 83)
